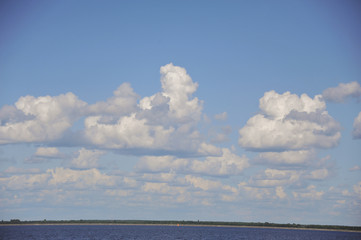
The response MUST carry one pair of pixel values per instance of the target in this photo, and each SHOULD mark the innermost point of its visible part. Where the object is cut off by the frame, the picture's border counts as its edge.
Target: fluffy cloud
(127, 132)
(178, 86)
(342, 91)
(289, 122)
(39, 119)
(357, 126)
(43, 154)
(225, 165)
(175, 103)
(86, 159)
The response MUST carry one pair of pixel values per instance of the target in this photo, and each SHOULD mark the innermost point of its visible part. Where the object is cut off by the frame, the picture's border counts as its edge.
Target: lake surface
(113, 232)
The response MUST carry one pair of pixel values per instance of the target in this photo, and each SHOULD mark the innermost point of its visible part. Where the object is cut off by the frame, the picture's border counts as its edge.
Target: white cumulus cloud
(288, 122)
(39, 119)
(166, 121)
(342, 91)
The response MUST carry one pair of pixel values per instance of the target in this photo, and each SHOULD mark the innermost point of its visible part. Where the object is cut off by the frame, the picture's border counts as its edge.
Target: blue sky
(186, 110)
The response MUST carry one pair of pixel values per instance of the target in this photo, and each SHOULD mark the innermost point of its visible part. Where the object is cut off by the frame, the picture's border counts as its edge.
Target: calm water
(79, 232)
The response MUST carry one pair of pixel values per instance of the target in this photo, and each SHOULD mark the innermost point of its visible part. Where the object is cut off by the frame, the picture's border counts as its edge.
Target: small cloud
(220, 137)
(343, 91)
(86, 159)
(319, 174)
(355, 168)
(47, 152)
(221, 116)
(357, 127)
(302, 157)
(44, 154)
(280, 192)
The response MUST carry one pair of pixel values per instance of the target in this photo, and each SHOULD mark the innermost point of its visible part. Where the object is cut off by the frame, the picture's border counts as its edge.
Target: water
(116, 232)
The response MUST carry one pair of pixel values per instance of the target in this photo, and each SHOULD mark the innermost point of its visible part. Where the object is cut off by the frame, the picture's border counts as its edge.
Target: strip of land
(186, 223)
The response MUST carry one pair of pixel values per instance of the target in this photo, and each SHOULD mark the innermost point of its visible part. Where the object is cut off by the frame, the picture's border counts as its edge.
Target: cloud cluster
(342, 92)
(164, 122)
(176, 164)
(287, 132)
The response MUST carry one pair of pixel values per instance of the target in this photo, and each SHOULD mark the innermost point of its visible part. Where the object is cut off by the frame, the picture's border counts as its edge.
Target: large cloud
(166, 121)
(288, 122)
(39, 119)
(342, 91)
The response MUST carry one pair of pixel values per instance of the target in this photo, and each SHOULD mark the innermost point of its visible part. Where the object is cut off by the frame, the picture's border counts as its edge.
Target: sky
(181, 110)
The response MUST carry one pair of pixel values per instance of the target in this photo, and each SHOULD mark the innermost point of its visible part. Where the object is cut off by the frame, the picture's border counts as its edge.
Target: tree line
(193, 223)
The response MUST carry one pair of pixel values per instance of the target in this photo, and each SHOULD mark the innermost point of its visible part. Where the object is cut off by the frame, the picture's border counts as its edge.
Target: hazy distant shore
(185, 223)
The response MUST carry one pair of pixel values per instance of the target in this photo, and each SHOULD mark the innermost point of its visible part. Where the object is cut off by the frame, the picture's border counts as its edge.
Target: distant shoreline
(186, 224)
